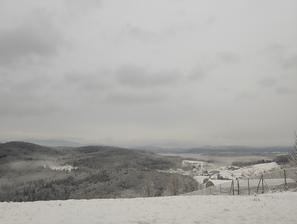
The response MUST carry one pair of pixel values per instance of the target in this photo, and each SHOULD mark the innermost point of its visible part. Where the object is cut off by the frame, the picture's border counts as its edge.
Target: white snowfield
(63, 168)
(254, 170)
(268, 208)
(67, 168)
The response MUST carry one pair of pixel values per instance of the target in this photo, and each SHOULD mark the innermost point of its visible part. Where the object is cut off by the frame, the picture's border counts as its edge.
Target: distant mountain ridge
(18, 149)
(203, 150)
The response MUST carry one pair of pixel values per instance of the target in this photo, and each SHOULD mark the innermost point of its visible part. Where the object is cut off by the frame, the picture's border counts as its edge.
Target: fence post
(262, 184)
(285, 177)
(249, 186)
(232, 187)
(237, 186)
(259, 183)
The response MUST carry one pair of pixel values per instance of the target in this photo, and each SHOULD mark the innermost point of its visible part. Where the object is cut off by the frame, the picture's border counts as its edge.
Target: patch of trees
(103, 172)
(101, 184)
(282, 159)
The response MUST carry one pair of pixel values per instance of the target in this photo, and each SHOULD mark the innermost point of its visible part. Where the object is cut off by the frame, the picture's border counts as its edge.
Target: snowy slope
(269, 208)
(254, 170)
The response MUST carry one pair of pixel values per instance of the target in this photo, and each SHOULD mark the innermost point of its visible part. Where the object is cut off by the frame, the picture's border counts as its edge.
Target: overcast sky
(160, 72)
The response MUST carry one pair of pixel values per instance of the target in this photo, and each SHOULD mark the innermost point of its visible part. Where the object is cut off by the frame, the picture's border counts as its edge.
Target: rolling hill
(30, 172)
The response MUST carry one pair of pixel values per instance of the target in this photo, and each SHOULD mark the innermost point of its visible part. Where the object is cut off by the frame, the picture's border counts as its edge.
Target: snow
(244, 182)
(64, 168)
(221, 182)
(200, 179)
(193, 163)
(67, 168)
(178, 171)
(267, 208)
(254, 170)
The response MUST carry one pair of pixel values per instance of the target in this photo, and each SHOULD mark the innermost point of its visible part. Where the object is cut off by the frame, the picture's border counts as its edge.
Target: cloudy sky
(157, 72)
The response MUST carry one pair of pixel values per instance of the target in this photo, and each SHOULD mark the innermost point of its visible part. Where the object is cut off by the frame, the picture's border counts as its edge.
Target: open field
(269, 208)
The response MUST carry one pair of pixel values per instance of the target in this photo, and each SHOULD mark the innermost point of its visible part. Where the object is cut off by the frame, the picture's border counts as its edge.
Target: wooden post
(237, 186)
(285, 177)
(232, 187)
(249, 190)
(259, 183)
(262, 184)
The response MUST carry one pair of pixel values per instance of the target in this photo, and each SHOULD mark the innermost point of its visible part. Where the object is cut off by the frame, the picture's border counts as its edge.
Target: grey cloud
(211, 20)
(140, 77)
(267, 82)
(84, 4)
(139, 33)
(276, 53)
(245, 95)
(134, 77)
(275, 49)
(274, 84)
(35, 39)
(125, 85)
(290, 63)
(25, 98)
(156, 36)
(134, 98)
(89, 81)
(228, 57)
(27, 85)
(283, 90)
(193, 65)
(29, 109)
(19, 103)
(279, 54)
(78, 8)
(197, 74)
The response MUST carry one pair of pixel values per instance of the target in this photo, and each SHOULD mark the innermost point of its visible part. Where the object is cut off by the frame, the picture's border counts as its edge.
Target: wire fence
(276, 180)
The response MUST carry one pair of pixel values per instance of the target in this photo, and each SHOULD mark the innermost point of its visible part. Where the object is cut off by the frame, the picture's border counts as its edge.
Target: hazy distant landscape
(36, 173)
(227, 150)
(30, 172)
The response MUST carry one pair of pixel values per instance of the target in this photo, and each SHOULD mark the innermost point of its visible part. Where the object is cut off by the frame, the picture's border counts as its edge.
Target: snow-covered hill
(268, 208)
(254, 170)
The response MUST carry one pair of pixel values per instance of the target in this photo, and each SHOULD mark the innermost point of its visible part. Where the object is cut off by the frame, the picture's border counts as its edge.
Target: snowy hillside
(254, 170)
(268, 208)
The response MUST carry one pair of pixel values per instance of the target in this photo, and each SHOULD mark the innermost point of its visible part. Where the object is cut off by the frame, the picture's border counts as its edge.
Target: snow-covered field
(197, 171)
(268, 208)
(254, 170)
(63, 168)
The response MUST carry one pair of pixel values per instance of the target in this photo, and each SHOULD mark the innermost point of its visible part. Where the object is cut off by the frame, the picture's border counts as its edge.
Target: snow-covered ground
(244, 182)
(254, 170)
(231, 173)
(268, 208)
(67, 168)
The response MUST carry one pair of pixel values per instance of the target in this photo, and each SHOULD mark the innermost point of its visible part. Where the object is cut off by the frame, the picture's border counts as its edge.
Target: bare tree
(174, 185)
(148, 186)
